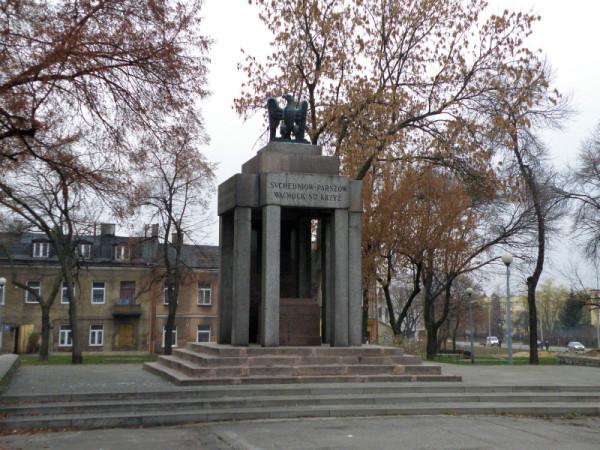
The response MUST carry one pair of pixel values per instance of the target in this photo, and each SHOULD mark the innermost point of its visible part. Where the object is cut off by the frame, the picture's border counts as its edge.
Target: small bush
(33, 343)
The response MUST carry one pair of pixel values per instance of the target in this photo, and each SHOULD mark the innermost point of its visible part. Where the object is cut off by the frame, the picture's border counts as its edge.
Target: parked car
(492, 341)
(575, 346)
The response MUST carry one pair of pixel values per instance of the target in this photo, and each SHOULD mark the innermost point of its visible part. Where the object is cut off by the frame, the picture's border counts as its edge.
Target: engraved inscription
(308, 191)
(305, 190)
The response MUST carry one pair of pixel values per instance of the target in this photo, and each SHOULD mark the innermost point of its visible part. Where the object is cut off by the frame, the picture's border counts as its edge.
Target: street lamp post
(2, 284)
(507, 260)
(598, 326)
(596, 302)
(469, 292)
(490, 317)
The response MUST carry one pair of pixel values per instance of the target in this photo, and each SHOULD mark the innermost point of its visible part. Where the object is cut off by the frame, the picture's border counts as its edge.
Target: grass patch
(34, 360)
(486, 360)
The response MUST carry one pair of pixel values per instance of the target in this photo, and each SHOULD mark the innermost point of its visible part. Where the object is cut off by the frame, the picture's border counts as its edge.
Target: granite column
(271, 243)
(240, 315)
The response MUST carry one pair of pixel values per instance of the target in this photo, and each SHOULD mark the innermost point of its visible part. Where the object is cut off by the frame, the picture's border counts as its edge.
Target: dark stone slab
(299, 321)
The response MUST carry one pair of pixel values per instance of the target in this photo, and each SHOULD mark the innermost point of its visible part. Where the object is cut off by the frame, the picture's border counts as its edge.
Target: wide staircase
(205, 364)
(201, 404)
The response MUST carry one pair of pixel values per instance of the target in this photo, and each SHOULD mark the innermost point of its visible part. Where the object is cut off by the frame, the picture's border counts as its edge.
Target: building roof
(144, 251)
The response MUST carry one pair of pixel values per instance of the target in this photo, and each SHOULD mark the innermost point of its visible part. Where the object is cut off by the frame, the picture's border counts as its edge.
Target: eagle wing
(301, 119)
(275, 115)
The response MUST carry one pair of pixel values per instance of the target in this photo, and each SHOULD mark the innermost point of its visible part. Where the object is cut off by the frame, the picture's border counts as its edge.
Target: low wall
(574, 360)
(8, 365)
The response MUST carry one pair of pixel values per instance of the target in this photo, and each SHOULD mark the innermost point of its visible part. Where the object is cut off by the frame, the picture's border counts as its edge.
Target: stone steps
(209, 364)
(195, 370)
(181, 378)
(252, 391)
(211, 360)
(324, 350)
(193, 414)
(269, 401)
(272, 401)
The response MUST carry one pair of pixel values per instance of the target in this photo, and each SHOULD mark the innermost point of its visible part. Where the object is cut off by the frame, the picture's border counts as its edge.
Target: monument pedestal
(215, 364)
(299, 320)
(270, 217)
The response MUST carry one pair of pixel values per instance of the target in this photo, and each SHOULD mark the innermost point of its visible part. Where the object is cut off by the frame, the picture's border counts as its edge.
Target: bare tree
(174, 190)
(57, 203)
(532, 106)
(584, 192)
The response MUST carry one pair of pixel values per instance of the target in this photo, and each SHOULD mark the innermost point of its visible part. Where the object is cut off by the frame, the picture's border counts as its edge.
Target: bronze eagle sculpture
(291, 117)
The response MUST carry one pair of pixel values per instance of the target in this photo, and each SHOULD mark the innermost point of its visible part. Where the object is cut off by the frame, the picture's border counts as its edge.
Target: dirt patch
(540, 354)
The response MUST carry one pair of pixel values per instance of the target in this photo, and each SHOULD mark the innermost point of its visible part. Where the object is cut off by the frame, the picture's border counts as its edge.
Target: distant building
(120, 289)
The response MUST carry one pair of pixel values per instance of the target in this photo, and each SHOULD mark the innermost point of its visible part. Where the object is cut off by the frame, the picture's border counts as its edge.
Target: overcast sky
(568, 35)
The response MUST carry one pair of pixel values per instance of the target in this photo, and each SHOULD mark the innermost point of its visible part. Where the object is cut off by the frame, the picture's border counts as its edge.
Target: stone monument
(288, 201)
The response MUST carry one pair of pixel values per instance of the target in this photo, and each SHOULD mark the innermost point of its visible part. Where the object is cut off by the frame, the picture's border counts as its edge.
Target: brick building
(120, 293)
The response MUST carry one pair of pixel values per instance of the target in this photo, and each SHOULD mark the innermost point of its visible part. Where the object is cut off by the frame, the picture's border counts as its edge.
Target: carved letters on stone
(305, 190)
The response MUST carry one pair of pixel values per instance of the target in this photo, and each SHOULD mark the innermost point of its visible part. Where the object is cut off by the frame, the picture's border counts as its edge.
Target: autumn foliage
(413, 96)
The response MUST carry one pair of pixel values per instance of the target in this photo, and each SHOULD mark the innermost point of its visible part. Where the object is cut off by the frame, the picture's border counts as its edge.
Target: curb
(573, 360)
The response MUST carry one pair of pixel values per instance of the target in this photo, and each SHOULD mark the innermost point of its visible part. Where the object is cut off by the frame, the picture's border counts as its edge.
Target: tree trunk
(413, 295)
(76, 356)
(69, 273)
(532, 281)
(429, 318)
(390, 307)
(45, 345)
(173, 294)
(533, 338)
(432, 349)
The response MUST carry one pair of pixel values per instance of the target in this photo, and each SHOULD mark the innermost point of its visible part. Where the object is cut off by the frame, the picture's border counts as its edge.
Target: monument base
(206, 364)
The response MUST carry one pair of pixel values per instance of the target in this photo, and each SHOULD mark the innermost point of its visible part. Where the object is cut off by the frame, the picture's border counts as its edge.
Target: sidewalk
(417, 432)
(524, 375)
(100, 378)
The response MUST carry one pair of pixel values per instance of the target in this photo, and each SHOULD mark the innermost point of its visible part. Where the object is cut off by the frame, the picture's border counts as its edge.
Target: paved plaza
(419, 432)
(407, 432)
(67, 379)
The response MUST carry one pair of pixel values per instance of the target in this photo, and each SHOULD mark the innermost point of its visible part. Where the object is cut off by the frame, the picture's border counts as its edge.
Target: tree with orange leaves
(384, 77)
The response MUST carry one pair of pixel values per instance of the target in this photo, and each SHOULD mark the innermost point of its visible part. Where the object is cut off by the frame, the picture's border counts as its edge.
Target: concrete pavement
(406, 432)
(419, 432)
(99, 378)
(524, 375)
(102, 378)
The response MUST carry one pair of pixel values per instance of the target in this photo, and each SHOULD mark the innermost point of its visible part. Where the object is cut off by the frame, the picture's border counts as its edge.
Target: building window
(204, 294)
(98, 292)
(203, 333)
(1, 294)
(174, 338)
(85, 250)
(64, 294)
(121, 252)
(35, 287)
(96, 335)
(41, 249)
(127, 293)
(65, 337)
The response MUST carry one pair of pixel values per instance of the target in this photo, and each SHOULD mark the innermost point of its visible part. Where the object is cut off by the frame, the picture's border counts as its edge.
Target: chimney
(107, 229)
(174, 238)
(154, 230)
